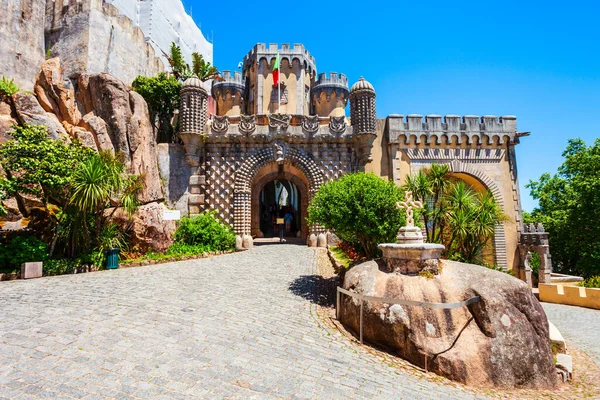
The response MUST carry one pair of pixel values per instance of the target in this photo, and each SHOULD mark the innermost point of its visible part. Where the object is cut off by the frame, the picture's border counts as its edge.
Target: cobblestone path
(235, 326)
(579, 326)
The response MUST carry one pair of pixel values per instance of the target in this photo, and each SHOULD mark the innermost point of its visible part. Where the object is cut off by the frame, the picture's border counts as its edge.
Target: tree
(569, 208)
(39, 167)
(361, 209)
(162, 95)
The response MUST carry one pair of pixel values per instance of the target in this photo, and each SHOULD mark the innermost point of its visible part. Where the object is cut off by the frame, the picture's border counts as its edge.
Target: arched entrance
(277, 190)
(279, 162)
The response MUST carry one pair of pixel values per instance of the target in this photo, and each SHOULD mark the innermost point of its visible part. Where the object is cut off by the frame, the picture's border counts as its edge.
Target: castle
(265, 141)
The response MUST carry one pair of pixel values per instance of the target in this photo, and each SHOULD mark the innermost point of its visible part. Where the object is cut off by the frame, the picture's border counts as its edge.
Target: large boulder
(29, 111)
(500, 341)
(7, 120)
(56, 94)
(147, 229)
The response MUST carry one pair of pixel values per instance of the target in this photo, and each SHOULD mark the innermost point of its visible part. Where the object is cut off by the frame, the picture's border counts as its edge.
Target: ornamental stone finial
(409, 205)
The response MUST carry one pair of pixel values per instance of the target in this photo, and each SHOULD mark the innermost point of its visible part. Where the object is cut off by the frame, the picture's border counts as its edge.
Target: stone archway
(282, 172)
(278, 155)
(459, 167)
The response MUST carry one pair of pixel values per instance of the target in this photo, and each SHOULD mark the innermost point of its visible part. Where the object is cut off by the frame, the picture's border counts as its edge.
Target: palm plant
(201, 69)
(100, 182)
(454, 213)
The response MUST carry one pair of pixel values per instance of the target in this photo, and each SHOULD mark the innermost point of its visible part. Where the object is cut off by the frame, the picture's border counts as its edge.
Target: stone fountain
(411, 255)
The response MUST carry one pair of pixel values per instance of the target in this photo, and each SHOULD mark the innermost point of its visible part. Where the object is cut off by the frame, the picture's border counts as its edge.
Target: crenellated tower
(330, 95)
(230, 94)
(297, 75)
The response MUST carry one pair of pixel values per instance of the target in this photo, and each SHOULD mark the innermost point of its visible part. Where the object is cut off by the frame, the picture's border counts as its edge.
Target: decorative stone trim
(247, 123)
(479, 155)
(310, 124)
(220, 124)
(279, 121)
(337, 124)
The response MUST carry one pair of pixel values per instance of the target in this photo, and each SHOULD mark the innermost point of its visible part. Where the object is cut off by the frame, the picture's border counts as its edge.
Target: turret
(330, 95)
(193, 116)
(230, 94)
(363, 117)
(362, 107)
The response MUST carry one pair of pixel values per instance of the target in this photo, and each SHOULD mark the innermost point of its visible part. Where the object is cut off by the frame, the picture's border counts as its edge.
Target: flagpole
(279, 84)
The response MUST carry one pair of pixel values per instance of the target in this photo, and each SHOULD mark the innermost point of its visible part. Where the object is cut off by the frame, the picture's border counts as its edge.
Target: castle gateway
(270, 147)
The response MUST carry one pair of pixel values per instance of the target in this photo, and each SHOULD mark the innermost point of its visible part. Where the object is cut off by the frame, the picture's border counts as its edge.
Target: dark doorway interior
(280, 199)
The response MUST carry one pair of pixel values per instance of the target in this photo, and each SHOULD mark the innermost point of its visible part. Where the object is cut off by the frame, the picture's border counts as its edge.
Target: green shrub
(593, 282)
(361, 209)
(8, 87)
(207, 231)
(60, 267)
(22, 249)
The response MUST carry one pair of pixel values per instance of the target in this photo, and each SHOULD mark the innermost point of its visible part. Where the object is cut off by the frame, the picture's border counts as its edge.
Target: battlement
(436, 126)
(236, 77)
(232, 82)
(334, 79)
(286, 52)
(534, 235)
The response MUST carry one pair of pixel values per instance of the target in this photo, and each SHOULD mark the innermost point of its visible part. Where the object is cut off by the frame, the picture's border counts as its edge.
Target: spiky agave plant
(203, 69)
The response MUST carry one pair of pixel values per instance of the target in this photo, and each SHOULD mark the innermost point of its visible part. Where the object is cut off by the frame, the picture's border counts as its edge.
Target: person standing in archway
(288, 220)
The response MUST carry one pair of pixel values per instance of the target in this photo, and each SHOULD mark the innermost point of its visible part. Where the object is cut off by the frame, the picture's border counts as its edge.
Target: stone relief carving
(310, 124)
(279, 121)
(220, 124)
(247, 123)
(337, 124)
(278, 152)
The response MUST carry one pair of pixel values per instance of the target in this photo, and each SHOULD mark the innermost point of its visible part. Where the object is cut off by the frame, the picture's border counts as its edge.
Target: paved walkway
(579, 326)
(235, 326)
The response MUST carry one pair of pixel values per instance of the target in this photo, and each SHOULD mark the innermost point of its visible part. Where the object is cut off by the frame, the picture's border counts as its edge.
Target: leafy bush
(593, 282)
(361, 209)
(207, 231)
(23, 249)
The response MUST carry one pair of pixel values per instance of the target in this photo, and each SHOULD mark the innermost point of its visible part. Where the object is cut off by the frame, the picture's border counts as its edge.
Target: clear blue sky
(538, 60)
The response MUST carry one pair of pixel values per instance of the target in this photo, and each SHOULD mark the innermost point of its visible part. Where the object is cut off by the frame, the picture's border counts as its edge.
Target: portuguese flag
(276, 71)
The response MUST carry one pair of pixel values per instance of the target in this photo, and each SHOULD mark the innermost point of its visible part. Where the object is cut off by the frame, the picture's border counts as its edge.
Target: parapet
(436, 127)
(286, 52)
(233, 82)
(534, 235)
(334, 79)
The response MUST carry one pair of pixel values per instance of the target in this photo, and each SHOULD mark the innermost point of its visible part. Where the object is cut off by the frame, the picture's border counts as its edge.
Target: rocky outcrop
(501, 341)
(29, 111)
(102, 113)
(147, 229)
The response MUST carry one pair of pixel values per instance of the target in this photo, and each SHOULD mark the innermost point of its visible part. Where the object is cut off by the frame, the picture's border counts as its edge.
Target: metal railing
(388, 300)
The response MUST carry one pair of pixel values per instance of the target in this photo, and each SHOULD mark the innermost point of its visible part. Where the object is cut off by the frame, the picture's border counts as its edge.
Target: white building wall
(164, 22)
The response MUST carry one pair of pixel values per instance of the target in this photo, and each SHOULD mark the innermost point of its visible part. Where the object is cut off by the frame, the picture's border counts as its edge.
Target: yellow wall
(571, 295)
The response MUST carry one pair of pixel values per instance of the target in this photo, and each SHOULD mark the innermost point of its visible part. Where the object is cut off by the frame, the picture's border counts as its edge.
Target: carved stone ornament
(310, 124)
(279, 121)
(247, 123)
(278, 152)
(220, 124)
(337, 124)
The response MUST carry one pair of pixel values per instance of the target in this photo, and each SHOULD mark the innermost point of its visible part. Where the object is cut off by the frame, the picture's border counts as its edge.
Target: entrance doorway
(280, 199)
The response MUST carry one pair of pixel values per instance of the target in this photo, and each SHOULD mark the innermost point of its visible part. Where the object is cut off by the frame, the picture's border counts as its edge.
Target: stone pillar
(363, 119)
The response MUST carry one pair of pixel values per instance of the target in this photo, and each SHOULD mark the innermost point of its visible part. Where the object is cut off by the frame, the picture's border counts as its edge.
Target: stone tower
(193, 116)
(363, 117)
(230, 94)
(330, 95)
(297, 75)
